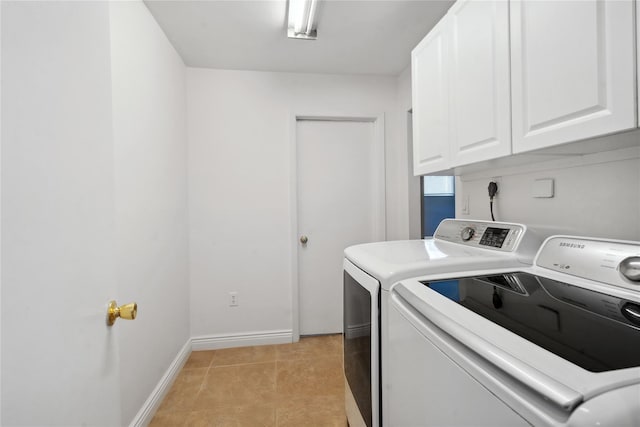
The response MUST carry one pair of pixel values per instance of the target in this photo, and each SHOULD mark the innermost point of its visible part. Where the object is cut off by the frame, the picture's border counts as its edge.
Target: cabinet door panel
(430, 102)
(572, 70)
(480, 86)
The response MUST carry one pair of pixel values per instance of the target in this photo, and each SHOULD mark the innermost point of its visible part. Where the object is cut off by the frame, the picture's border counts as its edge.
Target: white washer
(555, 344)
(371, 269)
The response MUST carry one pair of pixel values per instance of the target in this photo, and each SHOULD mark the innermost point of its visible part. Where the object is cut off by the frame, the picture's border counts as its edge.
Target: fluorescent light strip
(302, 15)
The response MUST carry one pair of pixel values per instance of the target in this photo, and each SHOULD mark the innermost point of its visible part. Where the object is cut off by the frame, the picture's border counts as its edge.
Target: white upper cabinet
(495, 78)
(572, 70)
(430, 102)
(480, 113)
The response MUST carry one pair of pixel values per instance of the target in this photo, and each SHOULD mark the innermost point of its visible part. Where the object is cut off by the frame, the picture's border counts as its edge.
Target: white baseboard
(214, 342)
(148, 410)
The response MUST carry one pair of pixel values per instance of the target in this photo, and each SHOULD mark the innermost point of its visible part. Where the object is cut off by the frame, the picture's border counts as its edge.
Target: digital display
(494, 237)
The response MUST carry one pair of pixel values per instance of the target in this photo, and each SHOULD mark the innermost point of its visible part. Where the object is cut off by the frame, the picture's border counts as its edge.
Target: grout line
(277, 397)
(204, 378)
(241, 364)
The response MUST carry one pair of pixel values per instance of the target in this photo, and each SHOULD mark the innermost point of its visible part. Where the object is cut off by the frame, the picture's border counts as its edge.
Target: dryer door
(361, 348)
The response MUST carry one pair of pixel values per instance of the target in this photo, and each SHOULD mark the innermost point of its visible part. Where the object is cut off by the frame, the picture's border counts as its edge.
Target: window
(438, 202)
(438, 186)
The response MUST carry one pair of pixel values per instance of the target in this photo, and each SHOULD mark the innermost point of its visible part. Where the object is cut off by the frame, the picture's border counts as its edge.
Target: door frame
(379, 183)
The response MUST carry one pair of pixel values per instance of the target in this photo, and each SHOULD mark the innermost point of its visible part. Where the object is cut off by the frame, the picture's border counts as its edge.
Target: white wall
(239, 159)
(413, 204)
(94, 207)
(149, 127)
(0, 212)
(59, 359)
(595, 195)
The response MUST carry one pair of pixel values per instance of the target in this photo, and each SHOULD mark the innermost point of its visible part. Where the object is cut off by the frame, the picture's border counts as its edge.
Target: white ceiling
(354, 36)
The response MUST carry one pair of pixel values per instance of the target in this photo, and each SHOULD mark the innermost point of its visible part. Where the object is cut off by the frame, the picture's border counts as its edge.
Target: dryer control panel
(499, 236)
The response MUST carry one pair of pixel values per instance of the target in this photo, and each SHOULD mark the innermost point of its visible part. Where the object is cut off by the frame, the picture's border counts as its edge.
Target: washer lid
(390, 262)
(595, 331)
(527, 340)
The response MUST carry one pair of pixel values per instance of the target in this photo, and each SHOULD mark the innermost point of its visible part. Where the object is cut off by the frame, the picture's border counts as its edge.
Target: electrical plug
(493, 189)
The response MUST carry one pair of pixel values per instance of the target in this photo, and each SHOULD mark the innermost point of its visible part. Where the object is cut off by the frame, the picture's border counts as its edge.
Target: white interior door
(340, 183)
(59, 358)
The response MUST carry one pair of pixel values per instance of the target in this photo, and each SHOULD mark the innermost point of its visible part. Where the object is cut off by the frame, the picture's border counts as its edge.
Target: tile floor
(298, 384)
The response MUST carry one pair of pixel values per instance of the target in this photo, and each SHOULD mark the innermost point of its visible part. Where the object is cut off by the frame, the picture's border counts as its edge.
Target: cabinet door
(430, 99)
(572, 70)
(480, 115)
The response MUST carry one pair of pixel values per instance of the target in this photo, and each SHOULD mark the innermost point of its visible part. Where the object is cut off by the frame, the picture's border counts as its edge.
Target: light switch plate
(465, 205)
(542, 188)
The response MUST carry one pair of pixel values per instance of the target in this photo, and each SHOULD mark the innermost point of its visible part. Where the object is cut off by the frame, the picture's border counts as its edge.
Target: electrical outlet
(233, 299)
(465, 205)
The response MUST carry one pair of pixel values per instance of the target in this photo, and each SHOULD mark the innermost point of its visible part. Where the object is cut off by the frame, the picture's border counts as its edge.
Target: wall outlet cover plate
(542, 188)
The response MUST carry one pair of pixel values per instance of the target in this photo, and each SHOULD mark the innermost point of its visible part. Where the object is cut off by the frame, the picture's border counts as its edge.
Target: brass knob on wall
(127, 311)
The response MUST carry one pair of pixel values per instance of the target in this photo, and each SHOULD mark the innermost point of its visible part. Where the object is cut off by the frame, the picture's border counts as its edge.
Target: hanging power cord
(493, 189)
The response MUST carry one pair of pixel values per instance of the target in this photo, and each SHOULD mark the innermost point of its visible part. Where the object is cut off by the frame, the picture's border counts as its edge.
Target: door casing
(379, 185)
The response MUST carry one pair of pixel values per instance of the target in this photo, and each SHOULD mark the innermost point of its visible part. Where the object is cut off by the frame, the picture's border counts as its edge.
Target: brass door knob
(304, 240)
(127, 311)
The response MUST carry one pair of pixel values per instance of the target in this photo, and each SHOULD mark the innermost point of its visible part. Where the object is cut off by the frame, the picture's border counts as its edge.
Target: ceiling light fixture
(302, 19)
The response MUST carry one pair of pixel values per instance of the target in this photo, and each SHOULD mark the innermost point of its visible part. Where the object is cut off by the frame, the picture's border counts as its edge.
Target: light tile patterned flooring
(299, 384)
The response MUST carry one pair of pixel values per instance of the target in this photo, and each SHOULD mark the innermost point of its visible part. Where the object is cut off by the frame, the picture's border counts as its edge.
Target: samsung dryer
(370, 270)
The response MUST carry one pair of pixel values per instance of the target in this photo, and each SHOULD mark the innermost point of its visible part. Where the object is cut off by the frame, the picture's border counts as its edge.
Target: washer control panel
(611, 262)
(499, 236)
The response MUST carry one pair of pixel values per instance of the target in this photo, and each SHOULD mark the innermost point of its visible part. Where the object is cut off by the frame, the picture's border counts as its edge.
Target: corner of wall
(151, 405)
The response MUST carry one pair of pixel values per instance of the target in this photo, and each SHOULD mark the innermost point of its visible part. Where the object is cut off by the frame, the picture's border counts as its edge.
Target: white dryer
(555, 344)
(370, 270)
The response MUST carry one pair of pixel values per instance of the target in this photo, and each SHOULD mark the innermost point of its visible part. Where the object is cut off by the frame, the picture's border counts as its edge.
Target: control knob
(467, 233)
(630, 268)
